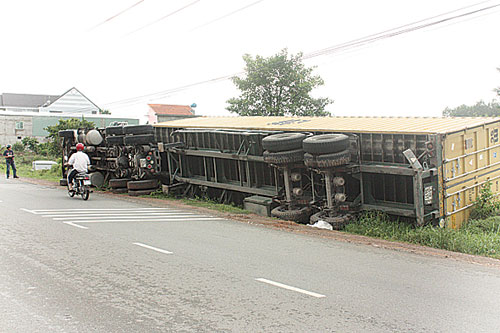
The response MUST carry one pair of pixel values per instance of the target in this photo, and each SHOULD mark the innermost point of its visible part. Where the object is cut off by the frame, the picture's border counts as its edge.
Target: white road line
(117, 214)
(284, 286)
(75, 225)
(153, 248)
(150, 220)
(27, 210)
(49, 211)
(142, 217)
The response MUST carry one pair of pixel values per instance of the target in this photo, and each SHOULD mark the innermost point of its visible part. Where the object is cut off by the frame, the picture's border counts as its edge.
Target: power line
(164, 17)
(227, 15)
(116, 15)
(333, 49)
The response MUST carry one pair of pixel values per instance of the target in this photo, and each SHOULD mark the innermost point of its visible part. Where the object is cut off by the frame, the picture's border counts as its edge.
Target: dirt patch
(296, 228)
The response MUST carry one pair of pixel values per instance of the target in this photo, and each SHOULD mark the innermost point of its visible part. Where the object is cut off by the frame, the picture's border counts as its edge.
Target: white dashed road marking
(153, 248)
(75, 225)
(284, 286)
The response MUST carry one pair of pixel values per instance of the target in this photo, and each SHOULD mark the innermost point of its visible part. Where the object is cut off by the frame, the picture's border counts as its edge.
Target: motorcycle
(81, 186)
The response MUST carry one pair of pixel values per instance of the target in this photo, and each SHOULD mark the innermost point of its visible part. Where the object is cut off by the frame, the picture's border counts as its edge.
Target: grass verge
(201, 202)
(24, 165)
(478, 237)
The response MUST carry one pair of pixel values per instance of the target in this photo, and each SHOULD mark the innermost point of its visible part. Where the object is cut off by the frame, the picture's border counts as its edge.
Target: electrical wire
(163, 17)
(116, 15)
(226, 15)
(356, 43)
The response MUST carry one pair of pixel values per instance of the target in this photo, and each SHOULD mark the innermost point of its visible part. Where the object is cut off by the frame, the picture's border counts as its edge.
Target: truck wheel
(283, 141)
(116, 140)
(300, 215)
(119, 190)
(327, 160)
(63, 182)
(119, 183)
(114, 130)
(147, 184)
(136, 193)
(337, 222)
(142, 139)
(325, 144)
(283, 157)
(138, 129)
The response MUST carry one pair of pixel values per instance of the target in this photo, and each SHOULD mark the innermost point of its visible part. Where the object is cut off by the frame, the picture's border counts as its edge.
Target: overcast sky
(112, 54)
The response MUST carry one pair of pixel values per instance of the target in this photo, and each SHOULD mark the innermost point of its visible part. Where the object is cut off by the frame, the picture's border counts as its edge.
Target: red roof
(174, 110)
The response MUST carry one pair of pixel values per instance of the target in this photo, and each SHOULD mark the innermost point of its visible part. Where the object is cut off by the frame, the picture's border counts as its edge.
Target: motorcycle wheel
(85, 193)
(71, 193)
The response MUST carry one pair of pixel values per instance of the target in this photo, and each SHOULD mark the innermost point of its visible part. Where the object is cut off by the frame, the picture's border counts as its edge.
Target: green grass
(479, 237)
(201, 202)
(24, 165)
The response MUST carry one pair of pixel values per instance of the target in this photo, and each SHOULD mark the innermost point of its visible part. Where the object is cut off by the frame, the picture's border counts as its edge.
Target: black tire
(136, 193)
(327, 160)
(114, 140)
(114, 130)
(142, 139)
(85, 193)
(299, 215)
(119, 183)
(147, 184)
(337, 222)
(283, 141)
(63, 182)
(325, 144)
(138, 129)
(119, 190)
(284, 157)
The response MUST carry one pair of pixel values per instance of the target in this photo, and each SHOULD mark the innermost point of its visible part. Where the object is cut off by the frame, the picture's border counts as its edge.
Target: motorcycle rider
(80, 162)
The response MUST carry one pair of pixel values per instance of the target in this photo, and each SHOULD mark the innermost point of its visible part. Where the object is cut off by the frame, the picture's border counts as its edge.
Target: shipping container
(429, 170)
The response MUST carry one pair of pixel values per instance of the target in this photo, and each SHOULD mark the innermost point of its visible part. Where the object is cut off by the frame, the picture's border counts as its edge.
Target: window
(19, 125)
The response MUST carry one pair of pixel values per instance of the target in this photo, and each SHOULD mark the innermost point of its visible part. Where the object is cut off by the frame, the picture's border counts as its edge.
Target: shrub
(18, 147)
(486, 204)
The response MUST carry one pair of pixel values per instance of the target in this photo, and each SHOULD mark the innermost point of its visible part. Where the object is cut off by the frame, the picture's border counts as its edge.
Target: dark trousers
(10, 163)
(72, 175)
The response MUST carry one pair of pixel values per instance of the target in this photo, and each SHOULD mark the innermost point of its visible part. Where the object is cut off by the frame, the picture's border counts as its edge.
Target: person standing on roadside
(9, 160)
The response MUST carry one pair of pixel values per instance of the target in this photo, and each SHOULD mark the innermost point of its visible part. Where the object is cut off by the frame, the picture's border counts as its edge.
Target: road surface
(115, 265)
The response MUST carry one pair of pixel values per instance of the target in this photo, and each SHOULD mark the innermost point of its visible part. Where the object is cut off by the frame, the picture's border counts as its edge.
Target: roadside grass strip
(284, 286)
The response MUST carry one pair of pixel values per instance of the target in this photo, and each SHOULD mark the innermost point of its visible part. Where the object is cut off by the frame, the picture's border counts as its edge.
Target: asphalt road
(112, 265)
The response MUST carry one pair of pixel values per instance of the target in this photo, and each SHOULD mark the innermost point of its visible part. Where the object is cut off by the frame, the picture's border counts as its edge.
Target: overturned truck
(306, 169)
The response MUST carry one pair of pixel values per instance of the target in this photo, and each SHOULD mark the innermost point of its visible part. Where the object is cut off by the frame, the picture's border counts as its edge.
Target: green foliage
(277, 86)
(31, 143)
(201, 202)
(54, 145)
(486, 204)
(104, 112)
(18, 147)
(481, 109)
(479, 237)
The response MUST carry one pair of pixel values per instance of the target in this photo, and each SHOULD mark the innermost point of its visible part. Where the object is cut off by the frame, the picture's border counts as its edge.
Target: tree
(54, 143)
(30, 143)
(104, 112)
(481, 109)
(277, 86)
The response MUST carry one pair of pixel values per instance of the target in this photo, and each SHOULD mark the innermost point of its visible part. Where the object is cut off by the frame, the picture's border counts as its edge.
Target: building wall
(72, 102)
(8, 132)
(34, 126)
(163, 117)
(41, 122)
